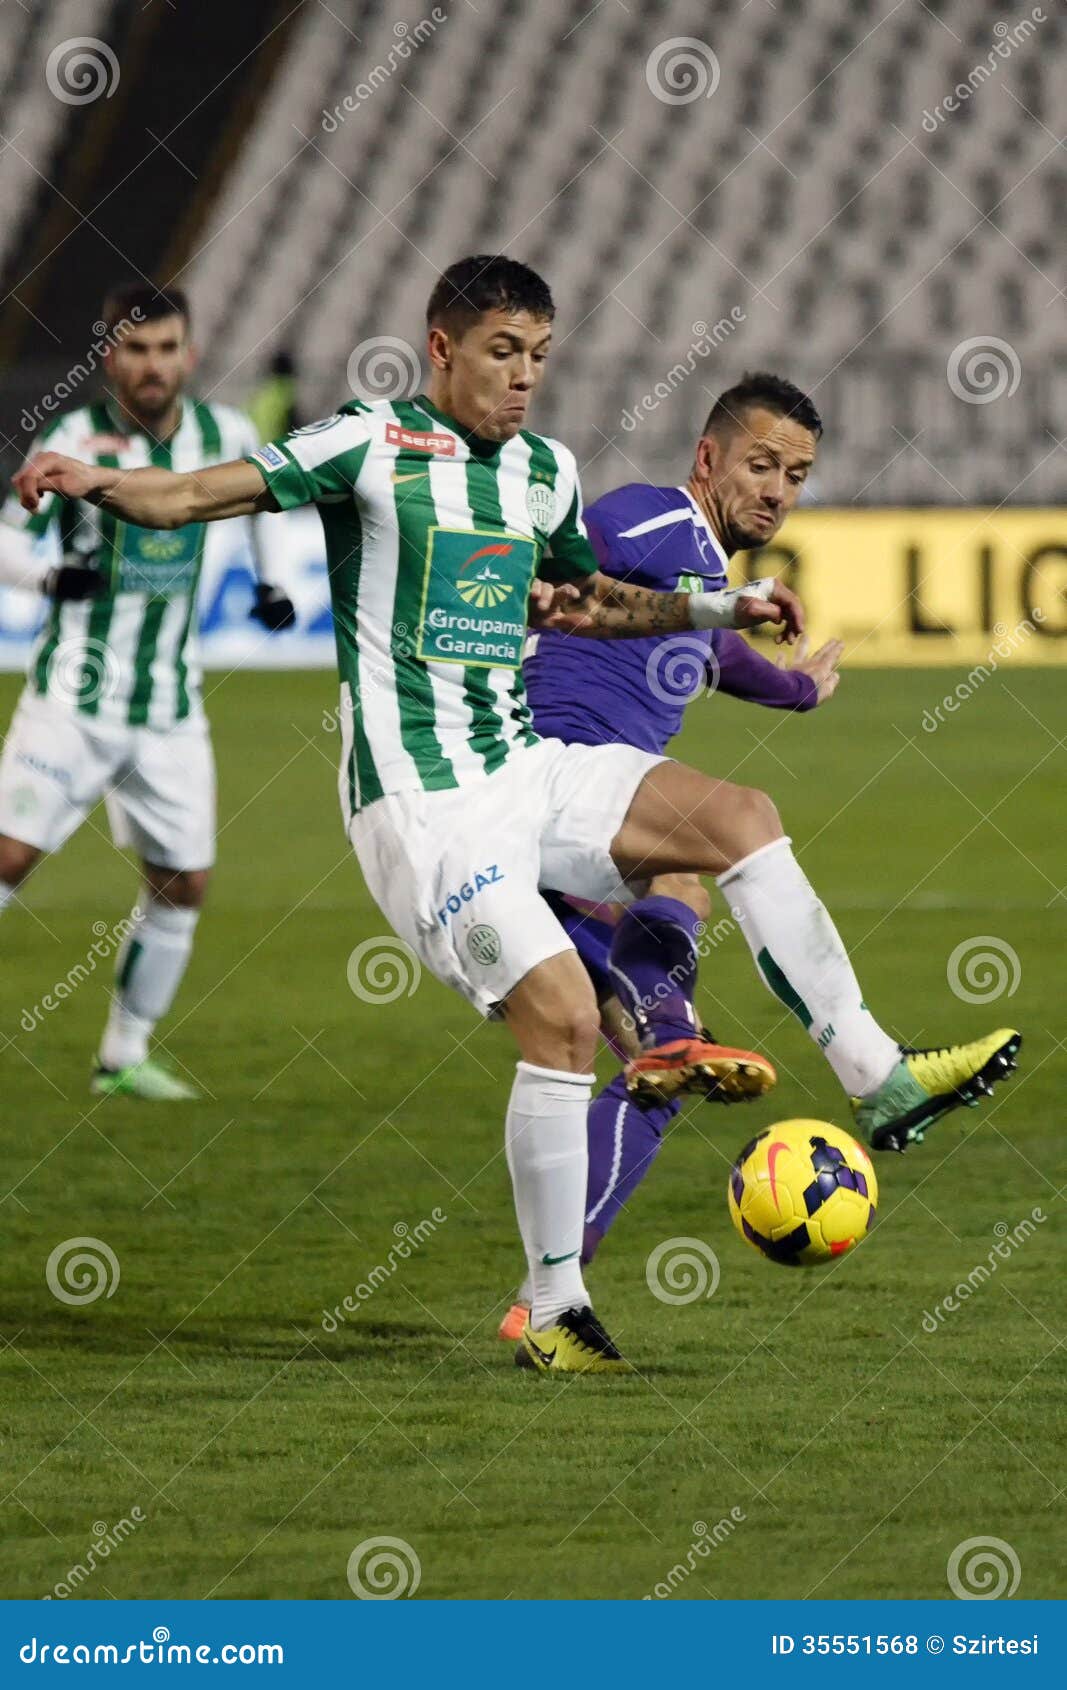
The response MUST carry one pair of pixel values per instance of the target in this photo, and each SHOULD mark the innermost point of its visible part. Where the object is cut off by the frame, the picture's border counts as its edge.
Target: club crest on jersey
(541, 505)
(411, 440)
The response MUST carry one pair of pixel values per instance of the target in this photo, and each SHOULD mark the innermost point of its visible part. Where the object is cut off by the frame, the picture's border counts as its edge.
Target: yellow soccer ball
(803, 1192)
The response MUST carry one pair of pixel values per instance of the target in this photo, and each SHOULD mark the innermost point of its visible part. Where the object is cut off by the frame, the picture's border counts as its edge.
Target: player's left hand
(552, 606)
(822, 667)
(273, 608)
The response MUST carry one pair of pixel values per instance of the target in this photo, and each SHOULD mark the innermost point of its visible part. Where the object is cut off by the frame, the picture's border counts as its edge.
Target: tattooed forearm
(622, 611)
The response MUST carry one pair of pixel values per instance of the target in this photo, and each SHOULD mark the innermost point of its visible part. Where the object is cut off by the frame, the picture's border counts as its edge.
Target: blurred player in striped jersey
(112, 707)
(450, 526)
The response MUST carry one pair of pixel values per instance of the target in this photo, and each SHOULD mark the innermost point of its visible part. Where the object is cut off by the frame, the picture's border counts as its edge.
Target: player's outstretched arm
(151, 498)
(601, 608)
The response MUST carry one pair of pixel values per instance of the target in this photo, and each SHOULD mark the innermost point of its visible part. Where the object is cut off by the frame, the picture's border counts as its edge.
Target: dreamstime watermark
(381, 1569)
(105, 1539)
(1007, 642)
(983, 369)
(704, 342)
(33, 417)
(682, 70)
(83, 671)
(705, 1539)
(384, 367)
(409, 1239)
(408, 38)
(80, 69)
(81, 1270)
(1008, 37)
(680, 668)
(382, 969)
(1009, 1239)
(982, 1569)
(108, 940)
(682, 1270)
(983, 968)
(678, 977)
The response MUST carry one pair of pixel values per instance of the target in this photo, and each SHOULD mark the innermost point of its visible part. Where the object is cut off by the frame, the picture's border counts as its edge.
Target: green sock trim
(129, 962)
(782, 990)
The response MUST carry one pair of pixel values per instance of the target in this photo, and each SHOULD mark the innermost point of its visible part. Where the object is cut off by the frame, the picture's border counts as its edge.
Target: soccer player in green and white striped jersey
(111, 706)
(449, 525)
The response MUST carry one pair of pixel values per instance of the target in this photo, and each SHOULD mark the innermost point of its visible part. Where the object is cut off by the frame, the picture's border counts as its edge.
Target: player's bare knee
(182, 889)
(16, 860)
(755, 821)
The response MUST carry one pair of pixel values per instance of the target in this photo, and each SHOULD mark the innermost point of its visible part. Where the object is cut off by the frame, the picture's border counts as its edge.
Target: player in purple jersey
(643, 958)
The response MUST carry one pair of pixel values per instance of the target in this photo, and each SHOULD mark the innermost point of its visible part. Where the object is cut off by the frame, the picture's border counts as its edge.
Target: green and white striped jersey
(433, 537)
(131, 655)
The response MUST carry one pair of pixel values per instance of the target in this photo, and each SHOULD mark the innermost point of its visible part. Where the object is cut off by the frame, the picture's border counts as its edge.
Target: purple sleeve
(745, 673)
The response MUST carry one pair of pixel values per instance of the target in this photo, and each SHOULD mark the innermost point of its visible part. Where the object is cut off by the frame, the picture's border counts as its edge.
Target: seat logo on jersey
(486, 587)
(474, 597)
(411, 440)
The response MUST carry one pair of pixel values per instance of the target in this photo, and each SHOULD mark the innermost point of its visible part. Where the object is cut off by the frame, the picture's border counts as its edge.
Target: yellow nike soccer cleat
(514, 1322)
(576, 1344)
(926, 1084)
(722, 1074)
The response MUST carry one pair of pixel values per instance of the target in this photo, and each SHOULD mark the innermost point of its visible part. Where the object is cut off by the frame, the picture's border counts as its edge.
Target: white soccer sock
(802, 960)
(6, 894)
(149, 968)
(548, 1155)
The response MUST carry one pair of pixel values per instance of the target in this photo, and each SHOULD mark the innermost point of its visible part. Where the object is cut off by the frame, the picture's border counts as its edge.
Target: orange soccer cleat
(699, 1065)
(513, 1325)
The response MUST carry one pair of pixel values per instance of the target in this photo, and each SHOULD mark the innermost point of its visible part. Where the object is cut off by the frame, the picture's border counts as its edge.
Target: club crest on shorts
(483, 942)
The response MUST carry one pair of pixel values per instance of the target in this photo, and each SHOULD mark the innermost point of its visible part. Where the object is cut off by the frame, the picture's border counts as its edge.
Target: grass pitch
(806, 1425)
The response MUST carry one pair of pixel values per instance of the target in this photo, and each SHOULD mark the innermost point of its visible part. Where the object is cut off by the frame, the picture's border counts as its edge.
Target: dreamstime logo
(80, 1270)
(78, 71)
(407, 39)
(384, 367)
(982, 1569)
(105, 1539)
(107, 941)
(983, 369)
(1008, 37)
(680, 668)
(33, 416)
(682, 70)
(705, 1539)
(83, 671)
(682, 1270)
(1008, 1240)
(1004, 646)
(706, 940)
(409, 1239)
(706, 339)
(381, 1569)
(382, 969)
(984, 968)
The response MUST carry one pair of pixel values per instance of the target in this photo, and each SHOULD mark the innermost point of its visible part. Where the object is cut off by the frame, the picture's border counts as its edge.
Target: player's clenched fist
(51, 472)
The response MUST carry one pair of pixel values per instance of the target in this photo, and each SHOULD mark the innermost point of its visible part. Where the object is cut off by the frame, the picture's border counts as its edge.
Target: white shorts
(456, 873)
(158, 787)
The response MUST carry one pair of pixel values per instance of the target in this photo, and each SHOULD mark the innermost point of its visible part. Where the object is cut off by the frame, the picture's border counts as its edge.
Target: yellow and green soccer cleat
(576, 1344)
(718, 1072)
(148, 1079)
(926, 1084)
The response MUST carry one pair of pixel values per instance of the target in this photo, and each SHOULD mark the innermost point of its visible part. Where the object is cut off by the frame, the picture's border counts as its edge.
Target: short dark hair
(768, 392)
(486, 282)
(140, 302)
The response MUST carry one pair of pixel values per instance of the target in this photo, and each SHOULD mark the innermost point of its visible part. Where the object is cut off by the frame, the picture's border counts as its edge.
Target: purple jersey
(598, 691)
